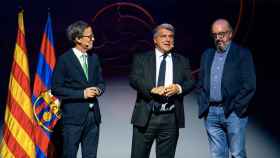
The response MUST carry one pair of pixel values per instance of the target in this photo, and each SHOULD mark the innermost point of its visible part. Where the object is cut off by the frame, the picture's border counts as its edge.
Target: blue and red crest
(46, 110)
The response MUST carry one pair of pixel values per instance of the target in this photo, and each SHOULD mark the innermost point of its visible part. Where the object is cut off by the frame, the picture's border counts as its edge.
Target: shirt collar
(159, 54)
(78, 53)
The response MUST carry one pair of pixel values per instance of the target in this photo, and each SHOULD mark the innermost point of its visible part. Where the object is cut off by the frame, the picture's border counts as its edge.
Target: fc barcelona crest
(46, 109)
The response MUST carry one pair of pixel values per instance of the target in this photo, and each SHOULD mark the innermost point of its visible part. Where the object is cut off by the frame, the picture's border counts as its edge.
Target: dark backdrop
(124, 29)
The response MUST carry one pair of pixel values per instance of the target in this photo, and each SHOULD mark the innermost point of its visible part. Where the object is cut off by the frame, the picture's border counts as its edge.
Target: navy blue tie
(160, 82)
(161, 74)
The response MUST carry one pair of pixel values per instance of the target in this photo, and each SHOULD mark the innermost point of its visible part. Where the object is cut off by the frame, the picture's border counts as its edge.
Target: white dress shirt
(169, 67)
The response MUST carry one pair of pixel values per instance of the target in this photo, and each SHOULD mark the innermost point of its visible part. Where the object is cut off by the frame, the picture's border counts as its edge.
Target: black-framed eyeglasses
(219, 34)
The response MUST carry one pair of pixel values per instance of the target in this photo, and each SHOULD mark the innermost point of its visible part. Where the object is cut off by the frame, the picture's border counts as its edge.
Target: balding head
(222, 23)
(222, 33)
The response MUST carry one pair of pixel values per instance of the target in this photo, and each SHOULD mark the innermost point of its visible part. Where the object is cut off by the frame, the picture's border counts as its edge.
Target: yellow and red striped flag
(18, 124)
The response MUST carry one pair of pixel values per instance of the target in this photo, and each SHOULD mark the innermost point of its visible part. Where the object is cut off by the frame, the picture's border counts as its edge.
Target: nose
(218, 38)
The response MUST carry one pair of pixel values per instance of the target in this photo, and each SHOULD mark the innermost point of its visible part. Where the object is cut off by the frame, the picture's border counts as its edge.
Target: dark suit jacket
(143, 79)
(238, 81)
(69, 82)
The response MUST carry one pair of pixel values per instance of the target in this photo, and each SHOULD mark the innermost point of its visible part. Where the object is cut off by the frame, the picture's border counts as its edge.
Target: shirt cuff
(180, 88)
(85, 94)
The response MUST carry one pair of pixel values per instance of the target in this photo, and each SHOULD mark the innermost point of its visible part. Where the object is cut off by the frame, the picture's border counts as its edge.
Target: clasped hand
(166, 91)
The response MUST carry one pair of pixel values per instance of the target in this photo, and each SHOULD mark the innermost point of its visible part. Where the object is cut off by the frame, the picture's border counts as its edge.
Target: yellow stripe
(20, 22)
(4, 150)
(21, 97)
(21, 59)
(20, 135)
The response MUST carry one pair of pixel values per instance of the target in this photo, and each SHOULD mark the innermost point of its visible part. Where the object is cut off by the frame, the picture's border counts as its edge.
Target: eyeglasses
(219, 34)
(89, 36)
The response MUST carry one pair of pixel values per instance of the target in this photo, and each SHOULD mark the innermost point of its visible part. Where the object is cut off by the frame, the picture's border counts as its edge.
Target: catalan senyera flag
(19, 122)
(45, 105)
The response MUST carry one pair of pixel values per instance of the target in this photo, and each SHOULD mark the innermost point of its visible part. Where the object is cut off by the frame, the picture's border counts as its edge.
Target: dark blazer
(69, 82)
(143, 79)
(238, 81)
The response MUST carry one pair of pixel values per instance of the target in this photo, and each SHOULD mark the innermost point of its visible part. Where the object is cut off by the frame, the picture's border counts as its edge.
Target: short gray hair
(76, 30)
(163, 26)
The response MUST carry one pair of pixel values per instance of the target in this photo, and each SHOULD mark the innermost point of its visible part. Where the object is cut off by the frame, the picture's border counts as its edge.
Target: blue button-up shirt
(217, 74)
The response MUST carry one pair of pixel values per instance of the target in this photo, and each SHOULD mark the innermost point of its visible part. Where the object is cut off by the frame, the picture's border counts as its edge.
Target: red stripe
(21, 41)
(52, 151)
(53, 122)
(41, 139)
(53, 97)
(48, 51)
(20, 115)
(21, 78)
(12, 143)
(39, 86)
(40, 108)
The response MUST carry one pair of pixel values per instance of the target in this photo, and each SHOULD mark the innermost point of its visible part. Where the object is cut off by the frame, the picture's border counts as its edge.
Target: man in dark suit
(161, 79)
(77, 81)
(227, 82)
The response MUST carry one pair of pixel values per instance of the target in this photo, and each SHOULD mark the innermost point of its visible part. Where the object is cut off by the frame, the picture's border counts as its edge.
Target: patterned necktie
(85, 65)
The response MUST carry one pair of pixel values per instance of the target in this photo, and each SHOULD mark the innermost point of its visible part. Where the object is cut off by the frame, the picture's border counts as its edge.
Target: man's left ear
(78, 40)
(230, 35)
(154, 40)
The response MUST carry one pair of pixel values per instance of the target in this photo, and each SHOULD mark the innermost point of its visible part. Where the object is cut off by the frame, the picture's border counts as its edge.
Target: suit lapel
(77, 65)
(229, 60)
(209, 65)
(175, 67)
(153, 68)
(150, 68)
(90, 67)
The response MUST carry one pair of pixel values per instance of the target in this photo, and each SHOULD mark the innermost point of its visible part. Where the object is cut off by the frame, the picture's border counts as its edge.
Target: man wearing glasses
(227, 82)
(77, 81)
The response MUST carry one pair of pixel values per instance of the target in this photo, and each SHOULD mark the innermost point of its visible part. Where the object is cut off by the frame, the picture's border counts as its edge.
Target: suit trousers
(87, 134)
(163, 129)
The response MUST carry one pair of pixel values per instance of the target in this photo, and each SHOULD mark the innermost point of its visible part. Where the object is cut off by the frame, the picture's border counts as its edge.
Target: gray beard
(220, 49)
